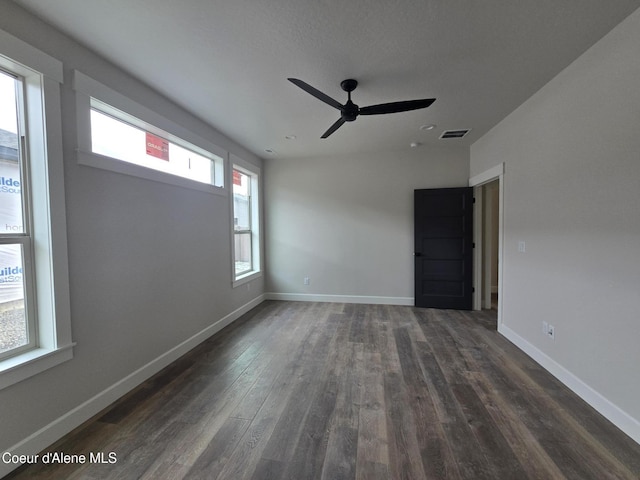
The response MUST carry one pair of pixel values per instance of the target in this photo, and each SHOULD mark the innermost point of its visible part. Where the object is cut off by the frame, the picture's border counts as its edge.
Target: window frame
(254, 173)
(42, 76)
(25, 238)
(91, 94)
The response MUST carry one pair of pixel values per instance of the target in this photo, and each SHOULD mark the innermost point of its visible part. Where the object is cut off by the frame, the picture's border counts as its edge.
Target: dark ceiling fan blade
(395, 107)
(334, 127)
(316, 93)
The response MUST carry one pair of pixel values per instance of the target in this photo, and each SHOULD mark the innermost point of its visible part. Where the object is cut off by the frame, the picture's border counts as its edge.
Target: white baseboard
(373, 300)
(612, 412)
(49, 434)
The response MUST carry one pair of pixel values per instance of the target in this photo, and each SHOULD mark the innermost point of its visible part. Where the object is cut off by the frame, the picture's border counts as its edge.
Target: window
(246, 231)
(243, 258)
(35, 331)
(115, 133)
(116, 138)
(17, 329)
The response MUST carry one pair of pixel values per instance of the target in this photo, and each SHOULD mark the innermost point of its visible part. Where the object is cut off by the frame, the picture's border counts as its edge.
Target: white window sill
(246, 278)
(18, 368)
(96, 160)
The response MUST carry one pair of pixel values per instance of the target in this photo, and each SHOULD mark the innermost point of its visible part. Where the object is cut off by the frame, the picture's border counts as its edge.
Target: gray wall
(572, 192)
(347, 222)
(150, 263)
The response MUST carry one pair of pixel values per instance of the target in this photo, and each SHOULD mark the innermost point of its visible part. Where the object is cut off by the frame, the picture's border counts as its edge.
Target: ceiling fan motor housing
(350, 110)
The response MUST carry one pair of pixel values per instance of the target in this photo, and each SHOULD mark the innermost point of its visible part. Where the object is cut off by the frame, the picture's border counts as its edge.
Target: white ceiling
(227, 61)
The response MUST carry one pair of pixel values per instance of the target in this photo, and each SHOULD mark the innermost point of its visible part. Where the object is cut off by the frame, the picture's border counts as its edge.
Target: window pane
(241, 201)
(242, 250)
(117, 139)
(10, 180)
(13, 325)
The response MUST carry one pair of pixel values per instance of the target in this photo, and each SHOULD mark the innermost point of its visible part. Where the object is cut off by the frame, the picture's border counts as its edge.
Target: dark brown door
(443, 226)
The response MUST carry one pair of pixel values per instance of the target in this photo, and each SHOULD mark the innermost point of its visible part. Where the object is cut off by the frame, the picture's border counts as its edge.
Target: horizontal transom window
(116, 137)
(118, 134)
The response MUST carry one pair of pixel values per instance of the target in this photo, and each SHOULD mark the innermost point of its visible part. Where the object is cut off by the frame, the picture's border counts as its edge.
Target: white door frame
(494, 173)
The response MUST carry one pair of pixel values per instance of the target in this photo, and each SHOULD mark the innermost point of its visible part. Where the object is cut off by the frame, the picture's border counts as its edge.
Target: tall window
(242, 222)
(246, 237)
(35, 325)
(17, 329)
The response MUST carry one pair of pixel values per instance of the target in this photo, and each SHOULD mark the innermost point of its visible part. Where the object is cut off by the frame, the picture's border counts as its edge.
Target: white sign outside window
(11, 269)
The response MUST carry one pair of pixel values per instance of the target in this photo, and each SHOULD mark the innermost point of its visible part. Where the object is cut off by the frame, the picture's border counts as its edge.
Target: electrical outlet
(307, 281)
(551, 332)
(545, 328)
(522, 246)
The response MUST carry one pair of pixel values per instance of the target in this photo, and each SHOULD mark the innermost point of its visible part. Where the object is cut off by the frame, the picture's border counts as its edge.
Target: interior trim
(609, 410)
(374, 300)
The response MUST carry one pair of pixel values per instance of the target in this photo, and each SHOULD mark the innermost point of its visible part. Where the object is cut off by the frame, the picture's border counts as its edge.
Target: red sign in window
(236, 178)
(157, 147)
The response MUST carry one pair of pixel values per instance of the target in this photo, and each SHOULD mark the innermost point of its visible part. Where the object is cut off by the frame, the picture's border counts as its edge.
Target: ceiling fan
(350, 111)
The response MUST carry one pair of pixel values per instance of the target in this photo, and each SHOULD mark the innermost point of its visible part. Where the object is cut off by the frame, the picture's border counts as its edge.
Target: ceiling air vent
(454, 133)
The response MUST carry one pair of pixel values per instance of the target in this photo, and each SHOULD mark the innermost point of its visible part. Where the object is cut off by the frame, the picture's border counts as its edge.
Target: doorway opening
(490, 214)
(488, 228)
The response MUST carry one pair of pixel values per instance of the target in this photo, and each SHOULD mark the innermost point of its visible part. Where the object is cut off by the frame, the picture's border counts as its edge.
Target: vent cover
(455, 133)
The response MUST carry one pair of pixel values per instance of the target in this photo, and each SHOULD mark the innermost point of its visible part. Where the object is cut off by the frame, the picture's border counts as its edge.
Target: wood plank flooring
(338, 391)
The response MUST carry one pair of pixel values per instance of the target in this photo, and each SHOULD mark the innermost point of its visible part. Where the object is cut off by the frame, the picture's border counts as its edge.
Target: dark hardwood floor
(335, 391)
